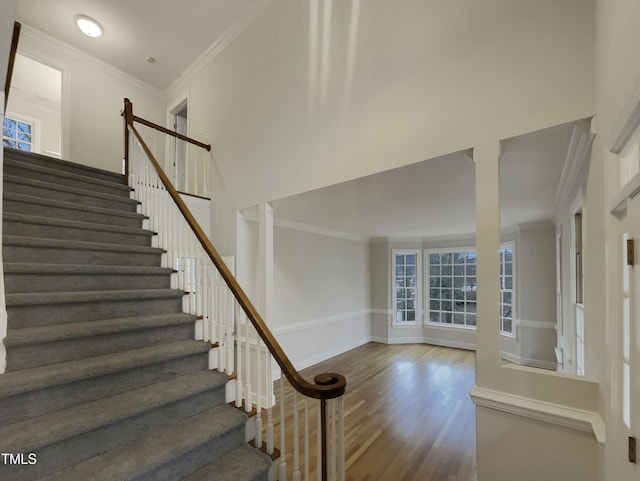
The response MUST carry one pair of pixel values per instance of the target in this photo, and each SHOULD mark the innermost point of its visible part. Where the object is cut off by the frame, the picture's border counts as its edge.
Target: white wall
(8, 9)
(420, 88)
(92, 98)
(618, 81)
(322, 294)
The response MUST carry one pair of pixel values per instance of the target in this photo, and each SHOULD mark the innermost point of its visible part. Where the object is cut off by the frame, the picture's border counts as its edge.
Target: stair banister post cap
(336, 382)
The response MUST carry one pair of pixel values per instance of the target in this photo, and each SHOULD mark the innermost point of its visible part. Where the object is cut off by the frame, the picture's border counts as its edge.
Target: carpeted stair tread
(54, 163)
(39, 298)
(34, 433)
(66, 175)
(23, 241)
(70, 205)
(73, 224)
(243, 463)
(129, 461)
(27, 380)
(42, 268)
(71, 190)
(78, 330)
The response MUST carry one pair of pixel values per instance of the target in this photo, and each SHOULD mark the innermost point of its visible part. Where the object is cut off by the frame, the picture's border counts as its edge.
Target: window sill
(405, 324)
(450, 326)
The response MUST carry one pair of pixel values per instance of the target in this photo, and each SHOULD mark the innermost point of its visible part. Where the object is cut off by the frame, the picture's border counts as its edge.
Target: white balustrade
(241, 352)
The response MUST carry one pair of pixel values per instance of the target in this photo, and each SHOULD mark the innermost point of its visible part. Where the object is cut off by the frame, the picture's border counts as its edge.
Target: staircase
(104, 379)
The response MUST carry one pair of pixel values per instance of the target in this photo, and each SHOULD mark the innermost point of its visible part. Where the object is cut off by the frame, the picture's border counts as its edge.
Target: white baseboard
(469, 346)
(524, 361)
(329, 354)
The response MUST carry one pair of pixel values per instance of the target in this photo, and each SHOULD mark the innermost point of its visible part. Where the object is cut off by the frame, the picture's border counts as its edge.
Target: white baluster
(319, 450)
(258, 392)
(296, 434)
(229, 318)
(283, 451)
(306, 439)
(240, 378)
(248, 401)
(341, 448)
(270, 439)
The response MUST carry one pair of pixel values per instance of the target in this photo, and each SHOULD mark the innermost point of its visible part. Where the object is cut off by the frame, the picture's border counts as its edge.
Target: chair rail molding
(578, 419)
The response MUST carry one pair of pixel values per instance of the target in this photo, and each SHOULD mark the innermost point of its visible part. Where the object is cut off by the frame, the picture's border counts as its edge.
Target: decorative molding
(619, 204)
(536, 324)
(290, 224)
(525, 361)
(239, 26)
(251, 216)
(469, 346)
(578, 419)
(66, 49)
(320, 322)
(577, 155)
(627, 122)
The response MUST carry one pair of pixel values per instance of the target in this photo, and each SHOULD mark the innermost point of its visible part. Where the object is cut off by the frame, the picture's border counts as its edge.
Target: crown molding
(577, 155)
(239, 26)
(627, 121)
(39, 36)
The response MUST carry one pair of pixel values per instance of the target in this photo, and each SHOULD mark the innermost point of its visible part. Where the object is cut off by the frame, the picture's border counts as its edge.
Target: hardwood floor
(408, 415)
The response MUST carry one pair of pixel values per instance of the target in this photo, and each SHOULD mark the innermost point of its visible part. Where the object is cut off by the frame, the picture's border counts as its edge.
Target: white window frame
(512, 334)
(453, 250)
(427, 274)
(418, 287)
(30, 143)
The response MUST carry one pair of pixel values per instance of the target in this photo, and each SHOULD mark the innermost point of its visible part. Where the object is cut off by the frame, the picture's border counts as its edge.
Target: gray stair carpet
(104, 380)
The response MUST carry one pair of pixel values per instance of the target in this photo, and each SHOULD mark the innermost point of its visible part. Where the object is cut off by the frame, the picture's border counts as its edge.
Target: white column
(3, 308)
(265, 247)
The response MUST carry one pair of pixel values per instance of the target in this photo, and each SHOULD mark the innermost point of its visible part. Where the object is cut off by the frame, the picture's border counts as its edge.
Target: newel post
(127, 115)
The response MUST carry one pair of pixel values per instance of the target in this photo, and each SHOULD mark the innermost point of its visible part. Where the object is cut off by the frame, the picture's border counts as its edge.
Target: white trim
(320, 322)
(3, 308)
(400, 340)
(332, 353)
(578, 419)
(536, 324)
(290, 224)
(469, 346)
(66, 49)
(239, 26)
(619, 203)
(627, 122)
(577, 154)
(525, 361)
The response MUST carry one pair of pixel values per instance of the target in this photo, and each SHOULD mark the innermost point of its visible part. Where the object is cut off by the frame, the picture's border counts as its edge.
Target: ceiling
(436, 198)
(175, 33)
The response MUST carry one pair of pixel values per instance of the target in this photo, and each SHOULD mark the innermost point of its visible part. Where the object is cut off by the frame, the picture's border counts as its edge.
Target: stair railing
(244, 349)
(12, 59)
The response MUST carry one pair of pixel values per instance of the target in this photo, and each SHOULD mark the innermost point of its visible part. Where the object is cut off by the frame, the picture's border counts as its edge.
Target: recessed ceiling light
(150, 59)
(89, 26)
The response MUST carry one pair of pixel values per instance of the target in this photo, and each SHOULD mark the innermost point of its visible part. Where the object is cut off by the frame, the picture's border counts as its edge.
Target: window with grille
(406, 286)
(17, 134)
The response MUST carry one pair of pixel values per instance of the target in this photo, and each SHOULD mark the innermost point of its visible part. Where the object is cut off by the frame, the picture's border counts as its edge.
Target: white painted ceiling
(436, 197)
(175, 32)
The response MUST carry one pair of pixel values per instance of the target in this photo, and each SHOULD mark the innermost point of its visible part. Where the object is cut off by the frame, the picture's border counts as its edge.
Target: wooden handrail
(12, 60)
(328, 385)
(165, 130)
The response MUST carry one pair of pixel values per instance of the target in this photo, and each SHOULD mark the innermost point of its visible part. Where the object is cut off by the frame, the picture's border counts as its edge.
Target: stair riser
(76, 198)
(23, 357)
(64, 167)
(69, 233)
(25, 283)
(85, 446)
(22, 406)
(68, 256)
(48, 314)
(197, 458)
(65, 181)
(70, 214)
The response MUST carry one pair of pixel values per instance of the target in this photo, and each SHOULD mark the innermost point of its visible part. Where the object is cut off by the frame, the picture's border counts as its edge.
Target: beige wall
(322, 292)
(8, 9)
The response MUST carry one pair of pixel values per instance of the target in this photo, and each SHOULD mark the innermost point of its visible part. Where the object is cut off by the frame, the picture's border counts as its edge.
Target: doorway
(33, 120)
(178, 161)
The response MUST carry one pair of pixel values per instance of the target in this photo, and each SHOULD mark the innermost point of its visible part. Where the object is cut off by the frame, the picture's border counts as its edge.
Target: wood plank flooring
(408, 415)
